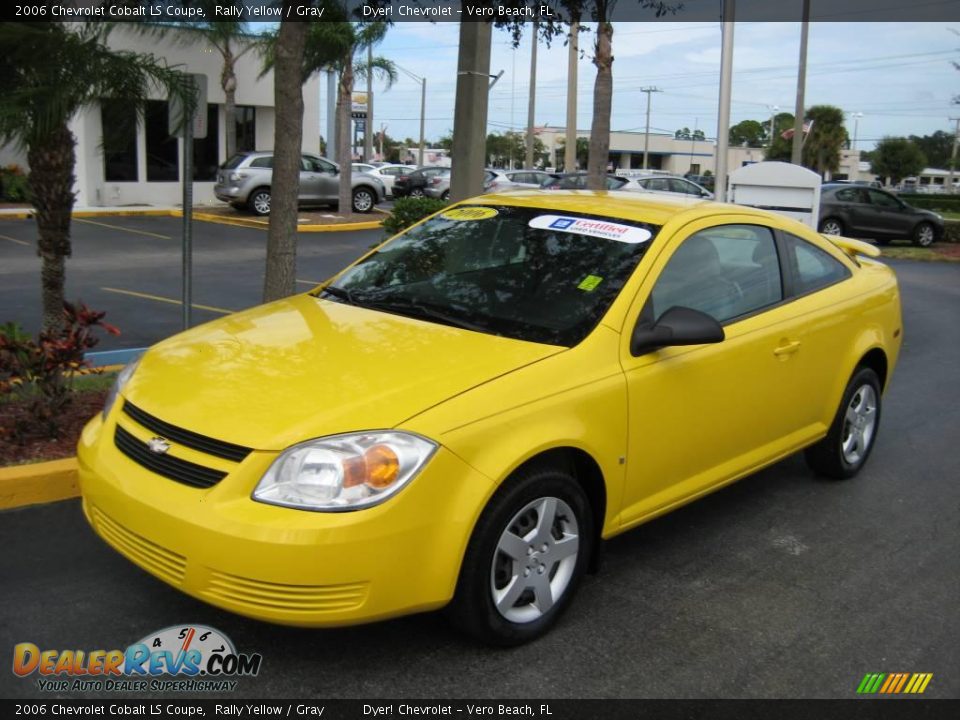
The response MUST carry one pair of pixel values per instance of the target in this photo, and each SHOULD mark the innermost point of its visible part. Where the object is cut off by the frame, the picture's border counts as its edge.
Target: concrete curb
(36, 483)
(209, 217)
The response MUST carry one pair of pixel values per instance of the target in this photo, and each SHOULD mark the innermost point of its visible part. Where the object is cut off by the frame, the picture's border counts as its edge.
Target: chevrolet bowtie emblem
(158, 445)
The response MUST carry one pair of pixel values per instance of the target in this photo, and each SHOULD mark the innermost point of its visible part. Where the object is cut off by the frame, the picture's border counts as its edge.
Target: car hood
(303, 367)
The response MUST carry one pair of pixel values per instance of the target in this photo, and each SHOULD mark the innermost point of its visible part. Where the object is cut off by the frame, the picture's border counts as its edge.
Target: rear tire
(924, 234)
(845, 449)
(831, 226)
(417, 193)
(525, 559)
(363, 200)
(445, 195)
(259, 202)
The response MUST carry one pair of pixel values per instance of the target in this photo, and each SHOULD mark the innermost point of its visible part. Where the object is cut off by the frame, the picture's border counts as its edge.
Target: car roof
(641, 207)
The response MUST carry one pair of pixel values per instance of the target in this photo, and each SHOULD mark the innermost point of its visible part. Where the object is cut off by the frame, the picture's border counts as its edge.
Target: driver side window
(726, 271)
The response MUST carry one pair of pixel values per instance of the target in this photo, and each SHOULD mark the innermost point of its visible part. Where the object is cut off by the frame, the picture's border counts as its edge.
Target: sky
(898, 75)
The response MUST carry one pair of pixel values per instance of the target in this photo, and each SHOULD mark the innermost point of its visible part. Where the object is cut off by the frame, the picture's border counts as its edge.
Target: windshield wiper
(340, 294)
(422, 311)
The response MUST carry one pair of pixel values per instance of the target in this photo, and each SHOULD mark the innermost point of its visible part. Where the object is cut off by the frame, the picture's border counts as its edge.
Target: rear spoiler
(853, 247)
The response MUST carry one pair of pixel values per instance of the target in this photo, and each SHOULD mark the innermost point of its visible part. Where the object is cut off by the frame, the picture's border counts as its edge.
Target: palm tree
(52, 71)
(821, 149)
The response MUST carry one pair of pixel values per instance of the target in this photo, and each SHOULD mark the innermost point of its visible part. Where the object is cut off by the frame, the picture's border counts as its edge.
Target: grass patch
(918, 253)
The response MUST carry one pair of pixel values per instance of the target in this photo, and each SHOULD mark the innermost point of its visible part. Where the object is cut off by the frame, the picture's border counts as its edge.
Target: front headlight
(123, 377)
(344, 472)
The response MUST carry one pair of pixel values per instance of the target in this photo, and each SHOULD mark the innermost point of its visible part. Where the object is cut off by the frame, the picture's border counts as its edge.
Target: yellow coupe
(461, 416)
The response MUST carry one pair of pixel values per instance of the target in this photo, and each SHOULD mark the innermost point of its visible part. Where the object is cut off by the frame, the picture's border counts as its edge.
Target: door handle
(787, 348)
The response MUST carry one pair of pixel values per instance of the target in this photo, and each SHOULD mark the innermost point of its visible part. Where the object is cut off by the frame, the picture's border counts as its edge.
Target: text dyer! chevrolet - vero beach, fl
(460, 417)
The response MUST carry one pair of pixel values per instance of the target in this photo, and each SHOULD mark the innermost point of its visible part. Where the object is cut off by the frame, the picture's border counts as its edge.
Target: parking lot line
(124, 229)
(11, 239)
(171, 301)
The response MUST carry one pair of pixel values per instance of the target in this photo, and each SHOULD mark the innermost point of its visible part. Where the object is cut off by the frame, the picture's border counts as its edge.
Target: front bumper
(277, 564)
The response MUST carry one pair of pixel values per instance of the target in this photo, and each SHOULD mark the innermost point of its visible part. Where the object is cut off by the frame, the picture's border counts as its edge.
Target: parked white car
(388, 173)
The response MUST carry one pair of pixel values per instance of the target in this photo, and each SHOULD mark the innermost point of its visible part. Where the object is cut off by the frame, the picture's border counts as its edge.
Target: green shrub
(951, 231)
(410, 210)
(13, 184)
(948, 203)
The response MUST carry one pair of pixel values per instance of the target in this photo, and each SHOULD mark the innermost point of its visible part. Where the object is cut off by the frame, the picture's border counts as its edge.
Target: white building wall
(91, 187)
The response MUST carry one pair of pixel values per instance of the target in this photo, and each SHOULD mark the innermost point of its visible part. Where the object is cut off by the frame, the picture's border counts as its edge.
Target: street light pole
(856, 124)
(532, 102)
(723, 112)
(646, 135)
(423, 104)
(774, 109)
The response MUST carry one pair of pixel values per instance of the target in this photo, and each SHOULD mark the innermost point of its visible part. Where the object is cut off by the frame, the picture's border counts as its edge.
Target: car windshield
(544, 276)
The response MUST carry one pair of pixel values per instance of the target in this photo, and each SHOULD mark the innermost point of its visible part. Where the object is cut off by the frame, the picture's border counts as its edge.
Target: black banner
(894, 709)
(499, 11)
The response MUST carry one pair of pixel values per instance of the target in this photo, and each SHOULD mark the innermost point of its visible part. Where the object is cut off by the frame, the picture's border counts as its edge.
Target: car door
(852, 206)
(310, 180)
(703, 415)
(327, 178)
(888, 215)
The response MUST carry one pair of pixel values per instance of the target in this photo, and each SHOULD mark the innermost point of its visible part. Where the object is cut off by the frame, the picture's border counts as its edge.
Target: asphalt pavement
(131, 267)
(780, 586)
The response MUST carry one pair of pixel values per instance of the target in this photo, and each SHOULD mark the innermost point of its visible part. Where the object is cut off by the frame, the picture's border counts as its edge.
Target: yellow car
(462, 416)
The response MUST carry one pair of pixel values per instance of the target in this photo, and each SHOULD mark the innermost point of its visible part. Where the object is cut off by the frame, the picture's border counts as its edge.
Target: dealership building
(145, 167)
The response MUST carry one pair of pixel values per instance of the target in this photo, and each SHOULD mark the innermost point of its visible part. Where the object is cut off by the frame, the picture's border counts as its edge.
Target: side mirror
(677, 326)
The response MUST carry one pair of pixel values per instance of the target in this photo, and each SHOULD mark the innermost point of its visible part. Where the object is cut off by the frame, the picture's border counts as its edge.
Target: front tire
(845, 449)
(525, 559)
(924, 235)
(259, 202)
(363, 200)
(831, 226)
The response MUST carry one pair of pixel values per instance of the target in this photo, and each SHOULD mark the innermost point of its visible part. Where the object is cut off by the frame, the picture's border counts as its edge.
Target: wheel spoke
(564, 548)
(542, 592)
(851, 416)
(546, 514)
(513, 546)
(506, 598)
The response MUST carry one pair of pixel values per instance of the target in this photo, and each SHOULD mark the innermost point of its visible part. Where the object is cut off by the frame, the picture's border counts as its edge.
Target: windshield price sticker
(592, 228)
(470, 213)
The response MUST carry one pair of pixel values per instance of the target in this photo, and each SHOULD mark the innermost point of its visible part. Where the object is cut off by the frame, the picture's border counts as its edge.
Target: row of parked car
(845, 209)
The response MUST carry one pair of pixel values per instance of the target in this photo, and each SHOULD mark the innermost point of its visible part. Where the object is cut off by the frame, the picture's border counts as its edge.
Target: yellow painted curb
(41, 482)
(207, 217)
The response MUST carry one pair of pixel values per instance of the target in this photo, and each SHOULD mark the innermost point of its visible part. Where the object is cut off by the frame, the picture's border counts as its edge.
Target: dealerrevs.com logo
(200, 659)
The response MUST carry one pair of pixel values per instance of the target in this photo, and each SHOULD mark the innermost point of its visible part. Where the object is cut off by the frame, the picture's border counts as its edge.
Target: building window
(162, 163)
(206, 152)
(695, 168)
(119, 121)
(246, 128)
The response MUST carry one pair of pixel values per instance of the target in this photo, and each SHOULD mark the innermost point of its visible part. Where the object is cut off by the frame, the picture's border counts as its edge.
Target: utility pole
(570, 141)
(646, 135)
(368, 127)
(470, 110)
(531, 106)
(774, 109)
(726, 81)
(953, 154)
(796, 156)
(332, 115)
(423, 105)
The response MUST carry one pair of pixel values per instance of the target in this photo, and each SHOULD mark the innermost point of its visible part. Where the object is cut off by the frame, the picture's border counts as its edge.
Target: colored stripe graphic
(894, 683)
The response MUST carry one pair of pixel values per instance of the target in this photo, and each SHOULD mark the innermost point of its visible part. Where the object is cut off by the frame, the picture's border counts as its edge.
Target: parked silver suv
(244, 181)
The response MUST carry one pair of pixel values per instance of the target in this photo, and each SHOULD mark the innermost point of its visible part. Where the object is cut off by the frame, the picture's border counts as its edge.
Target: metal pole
(646, 135)
(953, 154)
(796, 156)
(332, 115)
(531, 106)
(726, 78)
(187, 222)
(423, 114)
(368, 128)
(570, 137)
(774, 109)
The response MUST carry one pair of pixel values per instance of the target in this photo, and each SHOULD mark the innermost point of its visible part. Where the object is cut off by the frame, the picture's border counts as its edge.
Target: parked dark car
(413, 184)
(865, 212)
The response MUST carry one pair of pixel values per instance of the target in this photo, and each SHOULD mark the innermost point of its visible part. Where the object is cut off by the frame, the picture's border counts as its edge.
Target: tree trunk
(51, 183)
(228, 81)
(344, 154)
(280, 278)
(602, 101)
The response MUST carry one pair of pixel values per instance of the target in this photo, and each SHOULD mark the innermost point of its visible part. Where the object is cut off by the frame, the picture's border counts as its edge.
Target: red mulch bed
(84, 405)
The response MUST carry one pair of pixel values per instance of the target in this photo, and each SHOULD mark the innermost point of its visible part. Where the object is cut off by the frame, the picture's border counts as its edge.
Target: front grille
(182, 471)
(163, 563)
(187, 438)
(258, 595)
